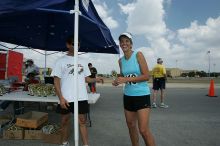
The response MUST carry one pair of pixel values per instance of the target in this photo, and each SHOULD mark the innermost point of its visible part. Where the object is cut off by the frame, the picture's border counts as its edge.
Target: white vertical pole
(76, 33)
(214, 69)
(176, 63)
(45, 63)
(6, 66)
(209, 62)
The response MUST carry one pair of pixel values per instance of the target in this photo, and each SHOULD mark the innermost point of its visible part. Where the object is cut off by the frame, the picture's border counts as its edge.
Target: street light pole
(209, 63)
(214, 69)
(176, 63)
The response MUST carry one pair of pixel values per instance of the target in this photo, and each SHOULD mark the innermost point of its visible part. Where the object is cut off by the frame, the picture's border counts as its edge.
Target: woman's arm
(94, 80)
(115, 82)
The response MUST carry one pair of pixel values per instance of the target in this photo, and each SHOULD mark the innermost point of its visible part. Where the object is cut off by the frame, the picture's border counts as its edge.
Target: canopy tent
(45, 24)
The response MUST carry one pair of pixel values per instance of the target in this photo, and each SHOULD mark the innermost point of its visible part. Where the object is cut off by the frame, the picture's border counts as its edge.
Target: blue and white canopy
(45, 24)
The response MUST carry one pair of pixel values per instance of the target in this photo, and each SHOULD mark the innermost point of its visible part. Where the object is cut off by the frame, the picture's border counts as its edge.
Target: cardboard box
(18, 134)
(5, 119)
(32, 119)
(57, 137)
(33, 134)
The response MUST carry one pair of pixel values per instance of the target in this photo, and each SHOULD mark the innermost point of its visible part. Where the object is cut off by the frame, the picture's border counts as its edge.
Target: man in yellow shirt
(159, 82)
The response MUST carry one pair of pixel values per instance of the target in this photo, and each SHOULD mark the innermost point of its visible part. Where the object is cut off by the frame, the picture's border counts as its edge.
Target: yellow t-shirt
(159, 71)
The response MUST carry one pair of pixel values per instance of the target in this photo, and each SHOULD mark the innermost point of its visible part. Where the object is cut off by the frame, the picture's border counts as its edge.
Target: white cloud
(127, 8)
(105, 13)
(149, 55)
(201, 36)
(198, 39)
(104, 63)
(186, 47)
(189, 50)
(145, 17)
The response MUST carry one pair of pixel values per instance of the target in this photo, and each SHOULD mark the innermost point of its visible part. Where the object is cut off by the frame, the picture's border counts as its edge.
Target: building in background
(177, 72)
(173, 72)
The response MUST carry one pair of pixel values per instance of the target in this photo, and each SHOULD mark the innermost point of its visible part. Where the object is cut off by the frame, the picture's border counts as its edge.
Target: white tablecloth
(23, 96)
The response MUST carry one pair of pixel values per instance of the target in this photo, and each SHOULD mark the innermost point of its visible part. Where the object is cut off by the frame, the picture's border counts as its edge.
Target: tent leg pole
(76, 33)
(45, 64)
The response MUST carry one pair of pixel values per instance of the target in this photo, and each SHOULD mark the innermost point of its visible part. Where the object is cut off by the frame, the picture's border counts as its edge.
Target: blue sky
(186, 11)
(179, 31)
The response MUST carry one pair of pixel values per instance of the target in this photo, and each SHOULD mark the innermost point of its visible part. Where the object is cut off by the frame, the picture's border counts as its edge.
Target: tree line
(200, 74)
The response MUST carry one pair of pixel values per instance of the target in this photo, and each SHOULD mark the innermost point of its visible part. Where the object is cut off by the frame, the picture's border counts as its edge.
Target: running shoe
(65, 144)
(154, 105)
(162, 105)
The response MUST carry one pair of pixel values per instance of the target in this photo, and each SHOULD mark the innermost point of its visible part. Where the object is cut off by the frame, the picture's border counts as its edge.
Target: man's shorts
(135, 103)
(82, 105)
(159, 83)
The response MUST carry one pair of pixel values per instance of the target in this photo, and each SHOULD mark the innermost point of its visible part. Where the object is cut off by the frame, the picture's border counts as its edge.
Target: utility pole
(209, 62)
(176, 63)
(214, 69)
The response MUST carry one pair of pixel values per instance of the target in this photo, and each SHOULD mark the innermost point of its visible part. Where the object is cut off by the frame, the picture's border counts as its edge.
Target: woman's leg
(161, 95)
(131, 119)
(143, 125)
(155, 95)
(83, 128)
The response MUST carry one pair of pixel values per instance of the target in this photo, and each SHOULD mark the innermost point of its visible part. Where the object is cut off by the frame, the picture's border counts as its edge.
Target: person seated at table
(31, 80)
(31, 68)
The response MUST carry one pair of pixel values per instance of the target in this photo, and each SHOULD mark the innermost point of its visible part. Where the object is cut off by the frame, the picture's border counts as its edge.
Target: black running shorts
(135, 103)
(159, 83)
(83, 108)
